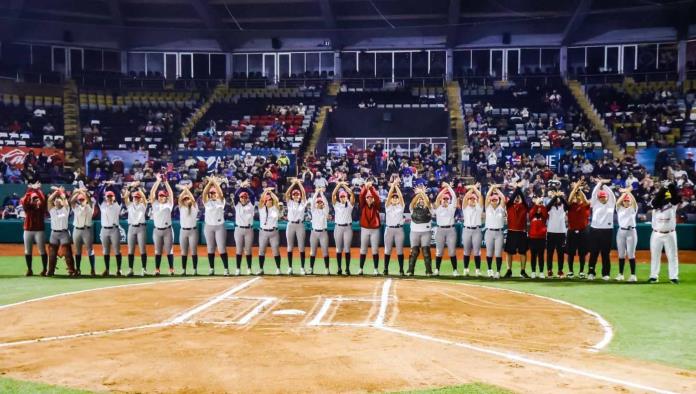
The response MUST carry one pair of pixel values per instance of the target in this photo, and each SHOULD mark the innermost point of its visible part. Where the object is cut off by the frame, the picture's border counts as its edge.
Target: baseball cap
(602, 194)
(110, 194)
(162, 193)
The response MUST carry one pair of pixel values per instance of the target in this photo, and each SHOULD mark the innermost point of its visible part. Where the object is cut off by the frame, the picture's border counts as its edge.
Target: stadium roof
(233, 24)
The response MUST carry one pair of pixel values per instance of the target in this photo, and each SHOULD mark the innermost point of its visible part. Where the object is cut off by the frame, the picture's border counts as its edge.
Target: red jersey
(538, 216)
(578, 216)
(35, 216)
(517, 216)
(369, 215)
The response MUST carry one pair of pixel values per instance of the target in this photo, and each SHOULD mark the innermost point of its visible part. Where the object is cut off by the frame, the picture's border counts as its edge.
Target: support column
(449, 64)
(228, 66)
(563, 62)
(124, 62)
(681, 60)
(338, 74)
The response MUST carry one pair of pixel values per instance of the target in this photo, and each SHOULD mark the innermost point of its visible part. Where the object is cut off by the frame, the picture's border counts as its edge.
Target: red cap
(602, 194)
(243, 194)
(342, 193)
(81, 197)
(162, 193)
(627, 198)
(295, 191)
(110, 194)
(495, 197)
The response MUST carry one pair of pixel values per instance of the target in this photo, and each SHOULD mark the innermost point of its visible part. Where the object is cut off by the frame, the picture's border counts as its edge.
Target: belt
(448, 227)
(471, 228)
(664, 232)
(108, 227)
(60, 231)
(319, 231)
(163, 228)
(342, 225)
(82, 228)
(188, 228)
(137, 225)
(243, 226)
(494, 229)
(296, 222)
(270, 230)
(626, 228)
(577, 231)
(397, 226)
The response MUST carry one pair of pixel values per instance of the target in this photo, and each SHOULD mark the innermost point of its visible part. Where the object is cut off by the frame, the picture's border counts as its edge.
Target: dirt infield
(315, 334)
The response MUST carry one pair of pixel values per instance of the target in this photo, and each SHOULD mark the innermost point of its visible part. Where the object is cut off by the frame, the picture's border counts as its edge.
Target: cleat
(43, 273)
(277, 271)
(130, 272)
(92, 272)
(523, 274)
(606, 278)
(633, 278)
(375, 273)
(455, 273)
(385, 272)
(226, 273)
(302, 271)
(236, 272)
(157, 272)
(489, 273)
(119, 273)
(652, 280)
(478, 272)
(549, 274)
(31, 273)
(360, 271)
(496, 275)
(619, 278)
(533, 276)
(259, 272)
(674, 281)
(436, 272)
(143, 272)
(289, 271)
(171, 272)
(590, 277)
(508, 274)
(582, 275)
(309, 271)
(105, 273)
(401, 273)
(211, 272)
(561, 275)
(541, 275)
(570, 275)
(195, 272)
(183, 273)
(466, 272)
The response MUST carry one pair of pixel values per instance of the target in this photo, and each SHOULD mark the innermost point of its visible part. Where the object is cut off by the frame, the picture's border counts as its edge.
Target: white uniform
(626, 237)
(214, 228)
(394, 233)
(59, 226)
(82, 228)
(495, 221)
(319, 235)
(343, 232)
(444, 233)
(243, 233)
(188, 235)
(110, 234)
(664, 235)
(471, 232)
(136, 227)
(162, 235)
(295, 230)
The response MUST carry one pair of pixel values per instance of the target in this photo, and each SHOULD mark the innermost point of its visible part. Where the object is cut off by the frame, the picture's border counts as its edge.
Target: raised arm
(206, 190)
(153, 191)
(52, 197)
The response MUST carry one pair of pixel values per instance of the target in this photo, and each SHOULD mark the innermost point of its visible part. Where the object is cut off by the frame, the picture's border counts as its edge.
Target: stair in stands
(71, 120)
(454, 104)
(318, 127)
(597, 122)
(219, 91)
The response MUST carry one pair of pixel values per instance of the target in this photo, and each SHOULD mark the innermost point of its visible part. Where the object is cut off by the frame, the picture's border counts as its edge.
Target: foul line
(383, 303)
(84, 334)
(219, 298)
(523, 359)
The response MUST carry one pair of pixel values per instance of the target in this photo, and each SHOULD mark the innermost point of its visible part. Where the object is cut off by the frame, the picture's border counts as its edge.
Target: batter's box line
(186, 316)
(379, 321)
(244, 320)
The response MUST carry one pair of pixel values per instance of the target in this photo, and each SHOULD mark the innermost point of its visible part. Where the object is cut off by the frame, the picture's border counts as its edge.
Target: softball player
(137, 227)
(445, 208)
(472, 212)
(83, 210)
(214, 228)
(110, 208)
(664, 235)
(495, 222)
(370, 224)
(269, 213)
(162, 202)
(627, 237)
(517, 241)
(296, 201)
(34, 204)
(343, 218)
(188, 235)
(538, 216)
(557, 209)
(59, 210)
(319, 236)
(394, 233)
(578, 219)
(603, 203)
(421, 218)
(244, 218)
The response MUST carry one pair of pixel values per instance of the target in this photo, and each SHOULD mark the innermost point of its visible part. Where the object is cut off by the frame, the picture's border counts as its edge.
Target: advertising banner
(16, 155)
(650, 157)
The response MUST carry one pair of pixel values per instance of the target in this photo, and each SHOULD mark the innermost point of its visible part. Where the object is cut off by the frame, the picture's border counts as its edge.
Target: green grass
(472, 388)
(651, 322)
(18, 387)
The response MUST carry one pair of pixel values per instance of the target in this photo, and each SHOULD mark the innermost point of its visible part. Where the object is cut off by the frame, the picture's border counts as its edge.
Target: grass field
(651, 322)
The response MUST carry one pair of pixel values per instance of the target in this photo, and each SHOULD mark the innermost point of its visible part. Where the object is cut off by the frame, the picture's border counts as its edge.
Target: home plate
(289, 312)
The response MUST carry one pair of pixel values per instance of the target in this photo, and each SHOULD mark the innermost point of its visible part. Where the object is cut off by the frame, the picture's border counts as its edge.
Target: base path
(315, 334)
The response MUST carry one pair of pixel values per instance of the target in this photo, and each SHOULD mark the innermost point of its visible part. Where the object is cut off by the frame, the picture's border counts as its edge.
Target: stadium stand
(31, 121)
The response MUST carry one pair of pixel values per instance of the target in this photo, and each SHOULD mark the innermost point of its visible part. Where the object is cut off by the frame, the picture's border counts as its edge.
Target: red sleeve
(532, 212)
(376, 196)
(545, 213)
(361, 197)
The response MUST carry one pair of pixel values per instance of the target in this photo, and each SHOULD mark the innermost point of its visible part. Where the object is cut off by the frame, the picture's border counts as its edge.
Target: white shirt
(320, 217)
(214, 212)
(557, 220)
(59, 218)
(244, 214)
(394, 215)
(162, 214)
(136, 213)
(296, 210)
(665, 219)
(472, 215)
(495, 217)
(626, 216)
(82, 215)
(269, 217)
(109, 214)
(344, 213)
(602, 214)
(444, 216)
(188, 218)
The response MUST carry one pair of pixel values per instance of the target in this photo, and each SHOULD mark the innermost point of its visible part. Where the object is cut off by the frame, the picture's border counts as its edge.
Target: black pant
(554, 242)
(600, 241)
(576, 243)
(537, 247)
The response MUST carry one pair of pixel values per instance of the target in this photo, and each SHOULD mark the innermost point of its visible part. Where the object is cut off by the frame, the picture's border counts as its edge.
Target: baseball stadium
(323, 196)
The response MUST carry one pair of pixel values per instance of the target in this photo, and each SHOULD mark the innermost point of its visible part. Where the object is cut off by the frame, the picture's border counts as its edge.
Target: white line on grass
(320, 315)
(383, 303)
(84, 334)
(219, 298)
(525, 360)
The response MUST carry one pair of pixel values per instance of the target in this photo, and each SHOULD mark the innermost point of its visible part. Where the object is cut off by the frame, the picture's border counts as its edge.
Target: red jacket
(517, 212)
(578, 216)
(369, 215)
(35, 216)
(538, 216)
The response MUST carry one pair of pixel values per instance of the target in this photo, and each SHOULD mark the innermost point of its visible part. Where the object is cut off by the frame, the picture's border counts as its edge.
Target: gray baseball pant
(445, 236)
(136, 235)
(83, 237)
(243, 240)
(215, 236)
(271, 238)
(317, 238)
(188, 241)
(343, 236)
(59, 238)
(626, 241)
(110, 237)
(471, 238)
(393, 238)
(369, 237)
(494, 243)
(163, 240)
(31, 237)
(295, 231)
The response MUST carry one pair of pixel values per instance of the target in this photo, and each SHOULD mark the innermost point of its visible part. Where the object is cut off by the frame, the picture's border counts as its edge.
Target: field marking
(84, 334)
(383, 303)
(320, 315)
(606, 326)
(523, 359)
(247, 318)
(217, 299)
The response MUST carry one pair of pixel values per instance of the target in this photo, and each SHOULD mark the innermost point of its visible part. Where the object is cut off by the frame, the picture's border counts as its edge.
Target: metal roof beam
(212, 23)
(454, 14)
(575, 21)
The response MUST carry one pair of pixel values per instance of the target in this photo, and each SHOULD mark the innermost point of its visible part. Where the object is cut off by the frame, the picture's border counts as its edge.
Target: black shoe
(522, 274)
(508, 274)
(339, 272)
(652, 280)
(385, 272)
(675, 281)
(401, 273)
